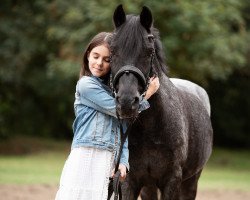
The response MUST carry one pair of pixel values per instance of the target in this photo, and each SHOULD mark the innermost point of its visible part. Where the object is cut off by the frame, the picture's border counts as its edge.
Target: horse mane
(159, 52)
(131, 39)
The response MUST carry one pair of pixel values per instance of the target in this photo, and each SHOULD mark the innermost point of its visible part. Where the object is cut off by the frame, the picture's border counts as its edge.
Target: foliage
(42, 43)
(231, 97)
(202, 39)
(32, 101)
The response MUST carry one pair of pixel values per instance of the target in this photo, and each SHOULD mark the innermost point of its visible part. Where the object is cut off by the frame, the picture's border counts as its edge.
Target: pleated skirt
(85, 175)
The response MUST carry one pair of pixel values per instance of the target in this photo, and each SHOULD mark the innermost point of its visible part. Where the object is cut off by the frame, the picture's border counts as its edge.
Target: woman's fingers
(122, 168)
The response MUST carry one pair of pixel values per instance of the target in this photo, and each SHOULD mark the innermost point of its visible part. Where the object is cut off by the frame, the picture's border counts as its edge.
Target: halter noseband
(130, 69)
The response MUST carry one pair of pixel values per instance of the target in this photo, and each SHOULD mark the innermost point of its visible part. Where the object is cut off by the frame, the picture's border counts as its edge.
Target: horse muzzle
(127, 106)
(129, 82)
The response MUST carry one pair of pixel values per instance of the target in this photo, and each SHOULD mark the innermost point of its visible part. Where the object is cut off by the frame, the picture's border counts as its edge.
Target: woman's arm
(93, 95)
(125, 154)
(154, 85)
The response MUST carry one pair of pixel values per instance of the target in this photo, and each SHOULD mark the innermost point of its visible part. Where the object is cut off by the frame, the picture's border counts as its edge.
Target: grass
(32, 161)
(226, 169)
(32, 169)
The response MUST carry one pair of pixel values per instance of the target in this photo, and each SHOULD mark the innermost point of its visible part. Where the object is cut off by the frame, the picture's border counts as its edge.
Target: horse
(170, 142)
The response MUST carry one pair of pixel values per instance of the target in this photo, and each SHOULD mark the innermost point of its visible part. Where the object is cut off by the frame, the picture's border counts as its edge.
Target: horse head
(132, 54)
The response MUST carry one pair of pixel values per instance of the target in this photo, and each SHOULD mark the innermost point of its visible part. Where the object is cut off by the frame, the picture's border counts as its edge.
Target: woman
(96, 129)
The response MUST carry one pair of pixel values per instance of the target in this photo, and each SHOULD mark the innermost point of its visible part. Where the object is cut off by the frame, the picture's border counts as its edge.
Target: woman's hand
(154, 85)
(122, 168)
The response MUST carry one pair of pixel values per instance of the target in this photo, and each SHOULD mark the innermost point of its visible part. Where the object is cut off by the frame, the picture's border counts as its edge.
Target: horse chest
(150, 160)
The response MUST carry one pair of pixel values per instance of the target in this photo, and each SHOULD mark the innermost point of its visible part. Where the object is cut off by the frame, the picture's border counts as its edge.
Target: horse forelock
(131, 38)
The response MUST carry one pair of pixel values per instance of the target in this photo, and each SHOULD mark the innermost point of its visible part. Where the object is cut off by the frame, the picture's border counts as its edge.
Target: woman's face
(99, 61)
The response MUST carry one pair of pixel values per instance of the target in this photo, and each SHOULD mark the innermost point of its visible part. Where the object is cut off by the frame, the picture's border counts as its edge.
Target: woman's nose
(99, 61)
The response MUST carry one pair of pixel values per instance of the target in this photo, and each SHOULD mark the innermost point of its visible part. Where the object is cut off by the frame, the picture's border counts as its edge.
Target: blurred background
(41, 49)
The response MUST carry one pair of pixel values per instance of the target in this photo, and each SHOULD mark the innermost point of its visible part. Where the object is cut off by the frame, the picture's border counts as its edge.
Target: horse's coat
(170, 142)
(193, 88)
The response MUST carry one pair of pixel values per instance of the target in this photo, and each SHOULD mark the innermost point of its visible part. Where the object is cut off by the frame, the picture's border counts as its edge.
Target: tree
(42, 43)
(202, 39)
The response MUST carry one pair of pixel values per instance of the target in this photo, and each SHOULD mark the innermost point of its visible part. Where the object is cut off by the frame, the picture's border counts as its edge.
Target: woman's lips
(98, 69)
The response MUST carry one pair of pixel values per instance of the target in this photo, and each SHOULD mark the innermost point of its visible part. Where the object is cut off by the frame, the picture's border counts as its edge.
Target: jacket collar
(100, 80)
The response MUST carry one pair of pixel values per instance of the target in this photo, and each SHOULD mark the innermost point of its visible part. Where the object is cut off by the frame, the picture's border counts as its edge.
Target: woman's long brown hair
(102, 38)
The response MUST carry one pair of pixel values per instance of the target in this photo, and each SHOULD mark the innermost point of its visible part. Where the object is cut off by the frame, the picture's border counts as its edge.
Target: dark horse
(170, 142)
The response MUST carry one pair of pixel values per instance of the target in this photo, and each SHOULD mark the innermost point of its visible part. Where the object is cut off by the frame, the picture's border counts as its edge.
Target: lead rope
(114, 185)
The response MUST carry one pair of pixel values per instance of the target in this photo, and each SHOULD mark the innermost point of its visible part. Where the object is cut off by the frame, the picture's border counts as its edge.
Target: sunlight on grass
(37, 168)
(32, 160)
(224, 179)
(226, 169)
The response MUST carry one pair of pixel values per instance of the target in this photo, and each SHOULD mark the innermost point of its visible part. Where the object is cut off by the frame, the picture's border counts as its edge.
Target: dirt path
(47, 192)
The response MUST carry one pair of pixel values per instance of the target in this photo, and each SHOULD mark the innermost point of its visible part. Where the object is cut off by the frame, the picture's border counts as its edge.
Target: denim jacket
(96, 124)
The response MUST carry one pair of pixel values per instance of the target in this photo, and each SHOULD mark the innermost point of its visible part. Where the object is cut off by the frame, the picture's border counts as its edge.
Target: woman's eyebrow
(96, 53)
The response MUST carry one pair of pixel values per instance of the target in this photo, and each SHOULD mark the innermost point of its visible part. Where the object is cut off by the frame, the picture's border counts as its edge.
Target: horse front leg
(189, 187)
(149, 193)
(171, 184)
(130, 190)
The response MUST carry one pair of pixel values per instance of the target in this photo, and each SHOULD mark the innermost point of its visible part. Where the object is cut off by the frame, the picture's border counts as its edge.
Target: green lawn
(31, 169)
(40, 161)
(226, 169)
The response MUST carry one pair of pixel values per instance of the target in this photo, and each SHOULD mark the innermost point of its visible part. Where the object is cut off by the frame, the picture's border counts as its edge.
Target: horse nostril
(136, 100)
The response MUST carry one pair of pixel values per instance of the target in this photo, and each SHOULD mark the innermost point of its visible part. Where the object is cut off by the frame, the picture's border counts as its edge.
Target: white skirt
(85, 175)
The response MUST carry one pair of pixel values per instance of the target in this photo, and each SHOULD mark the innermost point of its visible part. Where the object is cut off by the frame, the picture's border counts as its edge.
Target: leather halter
(136, 71)
(130, 69)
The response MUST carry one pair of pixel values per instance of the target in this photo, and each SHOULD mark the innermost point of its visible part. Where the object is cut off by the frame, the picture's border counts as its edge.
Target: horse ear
(119, 16)
(146, 18)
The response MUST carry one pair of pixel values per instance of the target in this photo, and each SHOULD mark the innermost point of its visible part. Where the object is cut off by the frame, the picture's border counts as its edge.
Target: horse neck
(166, 91)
